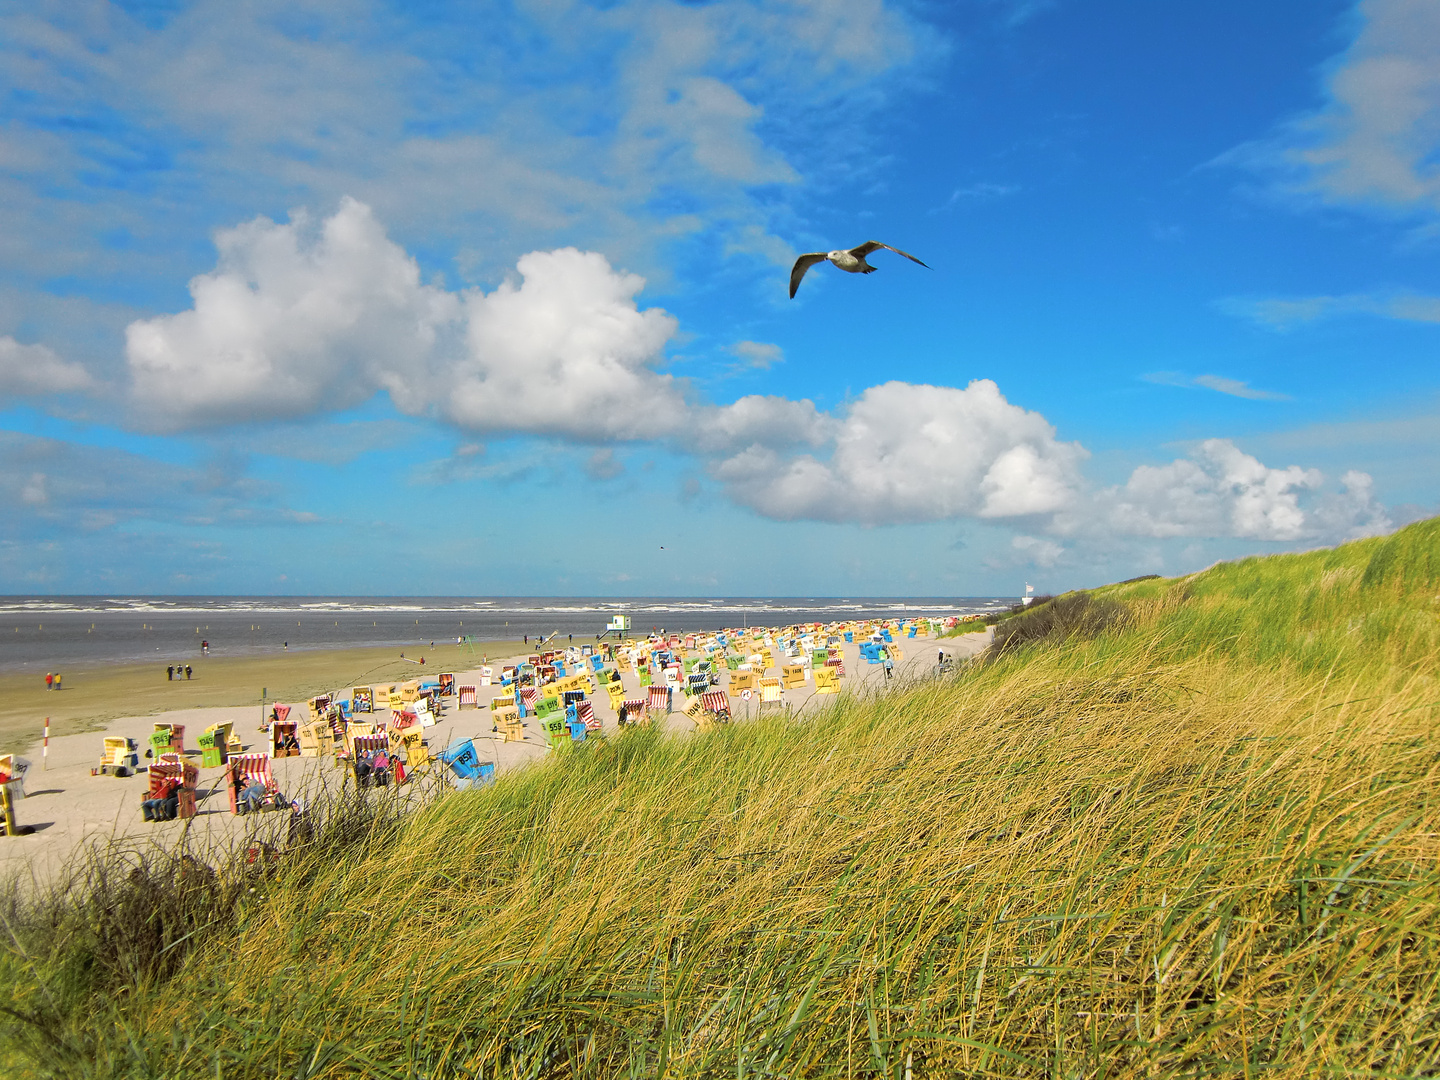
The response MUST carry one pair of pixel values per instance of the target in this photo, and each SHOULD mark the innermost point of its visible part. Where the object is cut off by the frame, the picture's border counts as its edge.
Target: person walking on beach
(170, 673)
(187, 671)
(57, 680)
(49, 680)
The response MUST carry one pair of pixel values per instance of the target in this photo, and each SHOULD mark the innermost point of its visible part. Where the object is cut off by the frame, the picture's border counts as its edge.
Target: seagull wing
(803, 263)
(872, 245)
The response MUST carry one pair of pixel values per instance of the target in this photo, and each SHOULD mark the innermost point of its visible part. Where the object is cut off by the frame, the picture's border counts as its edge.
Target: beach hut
(120, 757)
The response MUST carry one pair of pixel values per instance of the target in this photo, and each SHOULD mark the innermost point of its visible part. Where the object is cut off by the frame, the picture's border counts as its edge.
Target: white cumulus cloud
(906, 453)
(298, 318)
(1220, 491)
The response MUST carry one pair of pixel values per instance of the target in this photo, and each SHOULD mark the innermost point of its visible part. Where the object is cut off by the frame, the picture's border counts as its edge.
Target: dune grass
(1201, 840)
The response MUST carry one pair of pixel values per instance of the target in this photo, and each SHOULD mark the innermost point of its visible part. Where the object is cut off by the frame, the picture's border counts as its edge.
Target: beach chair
(211, 755)
(742, 680)
(446, 687)
(167, 739)
(468, 698)
(633, 712)
(366, 744)
(792, 676)
(509, 724)
(315, 738)
(696, 683)
(585, 713)
(771, 692)
(616, 693)
(557, 732)
(119, 757)
(827, 680)
(12, 775)
(285, 739)
(716, 703)
(172, 771)
(465, 767)
(318, 705)
(247, 770)
(577, 730)
(411, 745)
(658, 699)
(362, 700)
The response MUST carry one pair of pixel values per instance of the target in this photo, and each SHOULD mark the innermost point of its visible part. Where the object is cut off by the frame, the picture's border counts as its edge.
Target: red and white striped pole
(45, 747)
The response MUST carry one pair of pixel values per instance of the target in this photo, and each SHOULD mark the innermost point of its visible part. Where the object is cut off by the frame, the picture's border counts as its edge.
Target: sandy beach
(68, 807)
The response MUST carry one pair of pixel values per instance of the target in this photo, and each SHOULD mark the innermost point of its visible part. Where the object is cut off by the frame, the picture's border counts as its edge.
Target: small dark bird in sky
(852, 261)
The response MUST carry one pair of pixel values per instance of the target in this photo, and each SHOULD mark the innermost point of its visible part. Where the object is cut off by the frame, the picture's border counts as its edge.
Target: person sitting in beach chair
(164, 804)
(252, 785)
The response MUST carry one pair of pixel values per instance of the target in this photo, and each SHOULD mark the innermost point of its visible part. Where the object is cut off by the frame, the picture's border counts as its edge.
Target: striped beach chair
(585, 713)
(469, 699)
(247, 770)
(717, 704)
(658, 699)
(170, 770)
(633, 711)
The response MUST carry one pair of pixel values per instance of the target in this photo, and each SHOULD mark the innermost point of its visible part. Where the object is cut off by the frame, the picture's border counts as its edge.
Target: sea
(56, 633)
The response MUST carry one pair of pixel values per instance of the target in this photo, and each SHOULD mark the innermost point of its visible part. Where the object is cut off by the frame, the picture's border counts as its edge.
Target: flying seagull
(852, 261)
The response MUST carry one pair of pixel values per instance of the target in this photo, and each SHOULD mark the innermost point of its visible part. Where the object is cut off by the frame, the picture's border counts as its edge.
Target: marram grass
(1158, 851)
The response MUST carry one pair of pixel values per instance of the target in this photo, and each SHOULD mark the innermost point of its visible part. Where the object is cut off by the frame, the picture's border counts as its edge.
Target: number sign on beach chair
(792, 676)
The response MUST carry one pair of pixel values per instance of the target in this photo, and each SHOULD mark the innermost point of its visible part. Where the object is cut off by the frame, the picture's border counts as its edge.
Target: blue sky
(352, 297)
